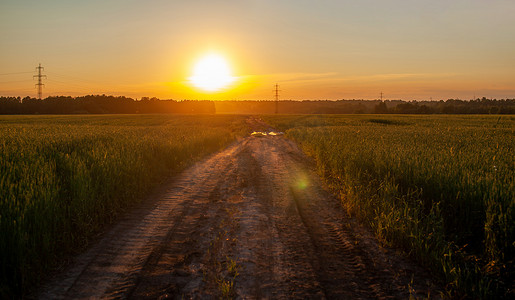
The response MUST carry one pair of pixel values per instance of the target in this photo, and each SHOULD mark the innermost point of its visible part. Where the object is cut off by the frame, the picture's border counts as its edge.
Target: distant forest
(102, 104)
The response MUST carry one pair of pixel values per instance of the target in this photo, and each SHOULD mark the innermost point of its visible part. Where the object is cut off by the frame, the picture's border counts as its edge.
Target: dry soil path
(252, 221)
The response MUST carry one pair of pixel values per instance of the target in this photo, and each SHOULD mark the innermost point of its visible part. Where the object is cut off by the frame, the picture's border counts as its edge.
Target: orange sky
(413, 49)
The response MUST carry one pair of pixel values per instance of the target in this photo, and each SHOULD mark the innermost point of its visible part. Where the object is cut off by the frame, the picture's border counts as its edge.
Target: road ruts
(252, 221)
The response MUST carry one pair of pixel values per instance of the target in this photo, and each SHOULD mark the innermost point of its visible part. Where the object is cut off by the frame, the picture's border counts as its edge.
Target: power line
(66, 77)
(15, 81)
(39, 77)
(14, 73)
(67, 84)
(15, 90)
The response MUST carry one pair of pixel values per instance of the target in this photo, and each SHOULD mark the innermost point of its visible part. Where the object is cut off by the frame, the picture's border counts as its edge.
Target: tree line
(451, 106)
(102, 104)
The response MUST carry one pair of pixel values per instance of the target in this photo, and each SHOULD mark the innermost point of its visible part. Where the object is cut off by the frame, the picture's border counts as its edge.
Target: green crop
(63, 178)
(442, 188)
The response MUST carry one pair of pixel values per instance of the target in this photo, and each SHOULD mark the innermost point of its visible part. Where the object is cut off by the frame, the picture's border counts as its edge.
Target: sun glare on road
(211, 73)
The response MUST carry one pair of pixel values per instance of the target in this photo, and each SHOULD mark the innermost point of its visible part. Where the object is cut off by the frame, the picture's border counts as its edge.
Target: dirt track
(252, 221)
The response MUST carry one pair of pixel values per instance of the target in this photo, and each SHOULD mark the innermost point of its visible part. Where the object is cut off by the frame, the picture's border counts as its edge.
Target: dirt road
(252, 221)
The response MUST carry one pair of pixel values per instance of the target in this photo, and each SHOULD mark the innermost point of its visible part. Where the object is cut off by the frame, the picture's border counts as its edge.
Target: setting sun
(211, 73)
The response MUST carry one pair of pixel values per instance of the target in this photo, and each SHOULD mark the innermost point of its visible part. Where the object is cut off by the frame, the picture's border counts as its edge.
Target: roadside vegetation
(64, 178)
(440, 187)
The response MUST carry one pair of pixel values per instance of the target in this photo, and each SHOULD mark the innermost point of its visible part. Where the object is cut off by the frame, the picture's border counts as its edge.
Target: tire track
(350, 257)
(110, 269)
(252, 221)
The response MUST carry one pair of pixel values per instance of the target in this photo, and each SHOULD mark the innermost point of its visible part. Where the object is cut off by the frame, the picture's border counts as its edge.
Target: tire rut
(253, 221)
(346, 262)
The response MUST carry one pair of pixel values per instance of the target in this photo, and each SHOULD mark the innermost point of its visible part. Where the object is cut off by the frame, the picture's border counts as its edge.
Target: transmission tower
(276, 98)
(39, 77)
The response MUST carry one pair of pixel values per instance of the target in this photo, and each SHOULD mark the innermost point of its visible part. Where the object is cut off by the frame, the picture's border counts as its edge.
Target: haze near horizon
(313, 49)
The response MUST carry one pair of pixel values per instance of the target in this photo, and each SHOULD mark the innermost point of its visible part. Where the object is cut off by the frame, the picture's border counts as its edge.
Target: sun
(211, 73)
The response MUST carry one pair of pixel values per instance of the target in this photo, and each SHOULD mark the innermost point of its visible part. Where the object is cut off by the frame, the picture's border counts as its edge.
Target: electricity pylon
(39, 84)
(276, 98)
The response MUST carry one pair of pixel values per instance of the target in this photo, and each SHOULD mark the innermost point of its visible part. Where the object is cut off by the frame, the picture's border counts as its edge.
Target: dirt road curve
(252, 221)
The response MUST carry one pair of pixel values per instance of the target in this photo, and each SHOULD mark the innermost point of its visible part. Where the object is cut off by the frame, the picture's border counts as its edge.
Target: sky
(341, 49)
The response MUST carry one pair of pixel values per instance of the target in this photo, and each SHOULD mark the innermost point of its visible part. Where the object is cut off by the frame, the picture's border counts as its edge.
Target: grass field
(63, 178)
(440, 187)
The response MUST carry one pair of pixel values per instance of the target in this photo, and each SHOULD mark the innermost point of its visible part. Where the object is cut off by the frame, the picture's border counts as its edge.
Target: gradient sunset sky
(408, 49)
